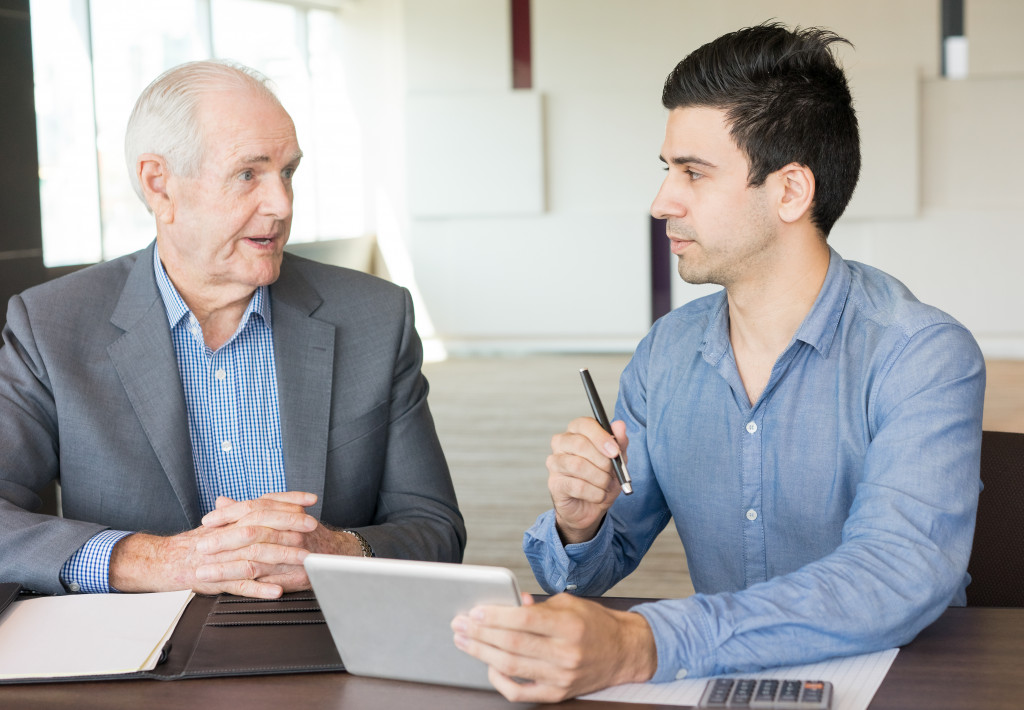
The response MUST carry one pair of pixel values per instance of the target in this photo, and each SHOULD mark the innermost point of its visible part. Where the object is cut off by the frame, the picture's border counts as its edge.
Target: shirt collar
(818, 328)
(175, 306)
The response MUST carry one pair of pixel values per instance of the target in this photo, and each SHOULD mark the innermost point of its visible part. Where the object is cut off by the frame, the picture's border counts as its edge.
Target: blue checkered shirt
(234, 421)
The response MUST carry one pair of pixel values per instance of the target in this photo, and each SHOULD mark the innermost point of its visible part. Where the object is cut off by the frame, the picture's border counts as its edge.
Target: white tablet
(392, 618)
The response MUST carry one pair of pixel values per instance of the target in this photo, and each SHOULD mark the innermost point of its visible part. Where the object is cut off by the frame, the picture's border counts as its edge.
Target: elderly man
(214, 408)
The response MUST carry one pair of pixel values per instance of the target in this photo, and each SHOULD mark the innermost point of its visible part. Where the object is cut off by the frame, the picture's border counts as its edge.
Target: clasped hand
(251, 548)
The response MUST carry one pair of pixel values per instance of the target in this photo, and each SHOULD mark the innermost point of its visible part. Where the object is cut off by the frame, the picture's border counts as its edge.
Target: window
(94, 57)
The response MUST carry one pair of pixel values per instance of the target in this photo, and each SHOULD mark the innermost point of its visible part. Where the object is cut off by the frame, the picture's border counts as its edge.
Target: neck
(218, 309)
(765, 313)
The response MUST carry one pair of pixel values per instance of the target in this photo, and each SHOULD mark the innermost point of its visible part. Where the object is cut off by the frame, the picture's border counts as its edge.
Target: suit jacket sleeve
(33, 547)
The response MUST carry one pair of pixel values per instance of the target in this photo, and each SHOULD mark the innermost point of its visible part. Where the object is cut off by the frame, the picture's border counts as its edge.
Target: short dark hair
(786, 100)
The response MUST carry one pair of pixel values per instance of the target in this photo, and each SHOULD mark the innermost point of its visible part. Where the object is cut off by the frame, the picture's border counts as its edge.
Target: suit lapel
(304, 356)
(144, 360)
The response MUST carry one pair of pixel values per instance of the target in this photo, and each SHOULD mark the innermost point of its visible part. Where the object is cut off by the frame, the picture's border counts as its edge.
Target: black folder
(227, 635)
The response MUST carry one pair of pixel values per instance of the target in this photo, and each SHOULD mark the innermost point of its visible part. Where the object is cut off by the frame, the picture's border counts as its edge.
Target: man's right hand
(267, 542)
(581, 479)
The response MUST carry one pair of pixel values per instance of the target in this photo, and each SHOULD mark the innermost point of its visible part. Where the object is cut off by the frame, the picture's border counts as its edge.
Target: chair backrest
(997, 559)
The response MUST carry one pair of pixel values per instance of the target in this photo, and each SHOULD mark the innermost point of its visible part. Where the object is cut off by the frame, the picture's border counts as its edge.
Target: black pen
(595, 404)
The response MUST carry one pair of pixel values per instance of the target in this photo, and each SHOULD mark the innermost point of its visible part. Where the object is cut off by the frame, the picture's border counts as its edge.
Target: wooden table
(969, 658)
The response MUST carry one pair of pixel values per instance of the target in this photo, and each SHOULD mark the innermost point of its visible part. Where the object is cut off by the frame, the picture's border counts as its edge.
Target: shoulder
(881, 302)
(886, 328)
(338, 290)
(92, 291)
(105, 276)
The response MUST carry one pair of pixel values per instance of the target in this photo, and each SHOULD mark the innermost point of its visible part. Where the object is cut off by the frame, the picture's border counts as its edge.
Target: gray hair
(164, 121)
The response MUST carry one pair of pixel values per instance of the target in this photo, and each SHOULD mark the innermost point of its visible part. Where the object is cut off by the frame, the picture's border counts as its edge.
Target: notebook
(392, 618)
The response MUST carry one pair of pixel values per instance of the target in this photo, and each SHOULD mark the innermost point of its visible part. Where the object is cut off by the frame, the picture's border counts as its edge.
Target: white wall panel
(603, 150)
(972, 150)
(562, 278)
(457, 45)
(475, 154)
(887, 111)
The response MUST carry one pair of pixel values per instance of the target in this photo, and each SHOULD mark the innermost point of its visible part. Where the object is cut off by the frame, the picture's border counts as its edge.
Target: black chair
(997, 559)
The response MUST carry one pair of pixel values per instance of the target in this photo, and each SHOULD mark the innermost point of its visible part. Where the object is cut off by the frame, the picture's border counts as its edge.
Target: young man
(812, 429)
(214, 408)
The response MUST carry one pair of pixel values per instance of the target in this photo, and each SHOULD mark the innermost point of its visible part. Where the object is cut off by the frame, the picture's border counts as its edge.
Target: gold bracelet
(363, 544)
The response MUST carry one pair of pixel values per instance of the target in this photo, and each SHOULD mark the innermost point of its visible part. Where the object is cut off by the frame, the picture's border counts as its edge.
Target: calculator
(767, 694)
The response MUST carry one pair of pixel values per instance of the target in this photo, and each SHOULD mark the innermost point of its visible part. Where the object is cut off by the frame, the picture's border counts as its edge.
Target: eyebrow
(257, 158)
(687, 160)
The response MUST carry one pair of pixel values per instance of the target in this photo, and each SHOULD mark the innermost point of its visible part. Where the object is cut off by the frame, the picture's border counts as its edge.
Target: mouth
(261, 242)
(678, 246)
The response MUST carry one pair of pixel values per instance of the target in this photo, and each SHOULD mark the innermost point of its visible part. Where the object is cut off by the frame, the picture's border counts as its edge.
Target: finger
(241, 570)
(300, 498)
(600, 439)
(236, 512)
(619, 430)
(231, 538)
(253, 562)
(293, 581)
(513, 668)
(519, 690)
(560, 616)
(243, 588)
(577, 478)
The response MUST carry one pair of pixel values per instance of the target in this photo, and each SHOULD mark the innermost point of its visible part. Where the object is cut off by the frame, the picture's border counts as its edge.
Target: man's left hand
(559, 649)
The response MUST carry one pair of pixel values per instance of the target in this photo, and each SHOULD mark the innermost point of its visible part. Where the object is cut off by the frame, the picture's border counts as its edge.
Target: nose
(276, 198)
(667, 203)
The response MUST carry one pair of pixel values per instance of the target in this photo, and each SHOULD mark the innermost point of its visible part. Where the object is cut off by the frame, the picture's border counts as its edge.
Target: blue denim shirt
(833, 517)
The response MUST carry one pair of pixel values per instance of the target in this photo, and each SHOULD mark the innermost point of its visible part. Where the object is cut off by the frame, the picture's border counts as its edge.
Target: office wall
(21, 255)
(526, 228)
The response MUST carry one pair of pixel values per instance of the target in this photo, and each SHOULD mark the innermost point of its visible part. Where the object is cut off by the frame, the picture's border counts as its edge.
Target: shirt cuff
(88, 570)
(563, 568)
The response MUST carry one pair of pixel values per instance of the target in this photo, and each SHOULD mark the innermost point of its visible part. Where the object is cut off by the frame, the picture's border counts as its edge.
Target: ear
(797, 184)
(154, 177)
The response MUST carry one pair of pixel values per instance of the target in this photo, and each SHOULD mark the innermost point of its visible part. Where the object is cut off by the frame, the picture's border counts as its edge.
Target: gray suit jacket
(90, 395)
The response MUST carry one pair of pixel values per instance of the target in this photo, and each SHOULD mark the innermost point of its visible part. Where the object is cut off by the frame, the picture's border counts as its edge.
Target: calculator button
(744, 692)
(789, 691)
(766, 691)
(716, 694)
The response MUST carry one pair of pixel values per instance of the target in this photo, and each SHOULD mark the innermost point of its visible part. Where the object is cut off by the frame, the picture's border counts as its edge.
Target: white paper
(87, 634)
(855, 680)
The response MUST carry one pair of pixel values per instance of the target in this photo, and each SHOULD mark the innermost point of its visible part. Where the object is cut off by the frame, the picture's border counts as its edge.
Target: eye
(287, 173)
(693, 174)
(247, 175)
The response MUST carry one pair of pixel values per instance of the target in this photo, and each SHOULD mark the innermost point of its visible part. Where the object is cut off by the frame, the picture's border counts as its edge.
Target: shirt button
(751, 515)
(570, 587)
(682, 674)
(225, 446)
(74, 587)
(220, 375)
(751, 427)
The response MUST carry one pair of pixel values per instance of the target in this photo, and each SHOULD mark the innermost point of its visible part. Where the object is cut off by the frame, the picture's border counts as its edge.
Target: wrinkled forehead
(239, 120)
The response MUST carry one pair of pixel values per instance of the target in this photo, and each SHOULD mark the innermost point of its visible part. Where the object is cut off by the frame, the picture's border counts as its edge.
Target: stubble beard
(730, 260)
